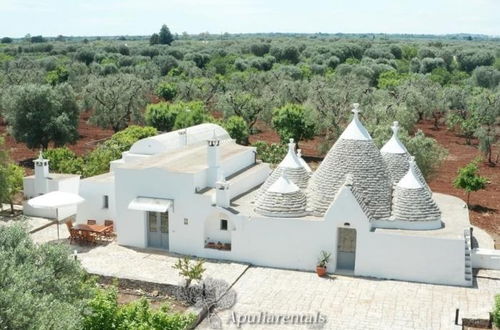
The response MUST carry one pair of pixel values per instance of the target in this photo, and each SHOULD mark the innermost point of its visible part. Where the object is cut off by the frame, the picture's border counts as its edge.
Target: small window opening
(223, 224)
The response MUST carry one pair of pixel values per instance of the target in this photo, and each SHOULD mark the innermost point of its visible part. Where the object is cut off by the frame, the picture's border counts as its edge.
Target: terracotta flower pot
(321, 271)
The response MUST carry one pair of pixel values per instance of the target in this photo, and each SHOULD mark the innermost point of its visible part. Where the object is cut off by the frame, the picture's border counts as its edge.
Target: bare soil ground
(127, 296)
(485, 204)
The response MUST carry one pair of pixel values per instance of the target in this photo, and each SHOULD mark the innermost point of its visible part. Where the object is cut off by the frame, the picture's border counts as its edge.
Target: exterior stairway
(468, 260)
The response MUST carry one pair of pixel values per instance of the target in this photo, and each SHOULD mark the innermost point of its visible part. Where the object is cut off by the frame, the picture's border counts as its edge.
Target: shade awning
(150, 204)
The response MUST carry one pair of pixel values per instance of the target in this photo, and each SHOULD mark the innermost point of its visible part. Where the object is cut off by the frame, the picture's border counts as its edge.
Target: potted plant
(322, 262)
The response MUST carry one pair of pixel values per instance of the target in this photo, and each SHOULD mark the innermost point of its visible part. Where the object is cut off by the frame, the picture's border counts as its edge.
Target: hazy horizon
(137, 18)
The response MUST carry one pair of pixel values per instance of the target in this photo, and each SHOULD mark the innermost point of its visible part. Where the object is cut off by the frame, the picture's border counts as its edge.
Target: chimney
(41, 175)
(213, 160)
(222, 197)
(182, 137)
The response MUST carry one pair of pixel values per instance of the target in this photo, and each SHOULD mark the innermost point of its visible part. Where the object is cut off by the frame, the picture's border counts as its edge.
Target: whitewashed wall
(486, 258)
(93, 192)
(296, 244)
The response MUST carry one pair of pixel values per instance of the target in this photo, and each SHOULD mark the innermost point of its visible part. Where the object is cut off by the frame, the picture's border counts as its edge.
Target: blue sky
(141, 17)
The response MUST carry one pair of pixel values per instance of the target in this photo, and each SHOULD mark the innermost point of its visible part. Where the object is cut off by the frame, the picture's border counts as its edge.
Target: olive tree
(242, 104)
(332, 98)
(40, 114)
(116, 100)
(42, 287)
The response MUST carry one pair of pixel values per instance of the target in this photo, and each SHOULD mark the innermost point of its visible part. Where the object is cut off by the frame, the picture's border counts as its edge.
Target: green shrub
(161, 116)
(469, 180)
(166, 90)
(496, 311)
(97, 161)
(41, 286)
(237, 129)
(191, 271)
(427, 152)
(58, 156)
(190, 114)
(272, 153)
(104, 312)
(293, 121)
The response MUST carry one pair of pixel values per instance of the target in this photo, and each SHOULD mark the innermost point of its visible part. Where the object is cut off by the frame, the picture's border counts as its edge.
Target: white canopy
(55, 199)
(150, 204)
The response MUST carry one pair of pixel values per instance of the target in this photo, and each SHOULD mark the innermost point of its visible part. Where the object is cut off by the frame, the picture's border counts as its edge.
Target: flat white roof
(106, 177)
(190, 159)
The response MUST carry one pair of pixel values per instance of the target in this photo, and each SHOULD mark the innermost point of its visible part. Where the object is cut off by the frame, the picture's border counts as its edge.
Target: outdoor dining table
(93, 232)
(92, 228)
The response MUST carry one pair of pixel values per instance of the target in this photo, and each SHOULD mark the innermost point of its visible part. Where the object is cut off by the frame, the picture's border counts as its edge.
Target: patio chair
(88, 237)
(91, 222)
(72, 231)
(110, 231)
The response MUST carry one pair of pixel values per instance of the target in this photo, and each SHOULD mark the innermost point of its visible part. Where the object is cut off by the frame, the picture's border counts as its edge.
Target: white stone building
(43, 182)
(197, 192)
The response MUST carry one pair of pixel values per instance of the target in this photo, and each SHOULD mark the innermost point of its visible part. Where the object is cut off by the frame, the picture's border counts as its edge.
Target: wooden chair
(110, 231)
(91, 222)
(88, 237)
(72, 236)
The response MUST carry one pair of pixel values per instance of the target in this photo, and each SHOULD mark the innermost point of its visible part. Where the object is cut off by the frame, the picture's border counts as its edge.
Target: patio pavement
(32, 223)
(346, 302)
(356, 303)
(137, 264)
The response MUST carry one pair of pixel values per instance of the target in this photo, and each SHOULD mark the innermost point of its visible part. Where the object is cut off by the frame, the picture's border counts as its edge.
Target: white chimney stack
(222, 197)
(213, 160)
(41, 175)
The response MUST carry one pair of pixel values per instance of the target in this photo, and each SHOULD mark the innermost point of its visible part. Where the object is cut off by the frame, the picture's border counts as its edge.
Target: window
(186, 221)
(223, 224)
(105, 202)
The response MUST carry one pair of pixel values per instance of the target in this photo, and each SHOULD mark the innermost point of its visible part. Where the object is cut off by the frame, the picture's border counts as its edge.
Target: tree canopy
(469, 180)
(40, 114)
(117, 100)
(165, 37)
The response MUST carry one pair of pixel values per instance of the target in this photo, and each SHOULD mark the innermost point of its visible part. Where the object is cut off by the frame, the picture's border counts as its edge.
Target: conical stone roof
(303, 162)
(397, 157)
(354, 153)
(412, 201)
(282, 199)
(295, 171)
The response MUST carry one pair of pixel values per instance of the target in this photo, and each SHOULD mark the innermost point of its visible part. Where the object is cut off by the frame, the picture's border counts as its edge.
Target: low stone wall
(129, 284)
(477, 323)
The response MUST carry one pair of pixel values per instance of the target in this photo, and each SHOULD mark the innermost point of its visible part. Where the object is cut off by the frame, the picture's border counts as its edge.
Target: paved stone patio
(32, 223)
(137, 264)
(347, 302)
(358, 303)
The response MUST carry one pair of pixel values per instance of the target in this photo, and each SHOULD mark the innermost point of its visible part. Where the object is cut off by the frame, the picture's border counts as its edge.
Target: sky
(144, 17)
